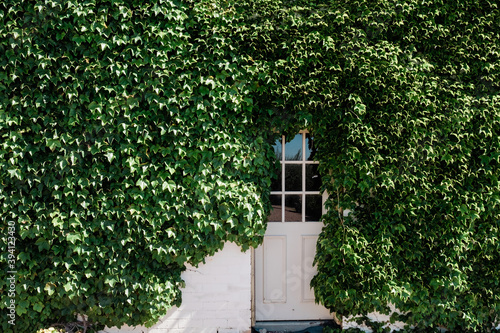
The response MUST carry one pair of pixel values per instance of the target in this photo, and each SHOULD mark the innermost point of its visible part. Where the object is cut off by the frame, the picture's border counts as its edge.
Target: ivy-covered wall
(136, 136)
(129, 146)
(411, 145)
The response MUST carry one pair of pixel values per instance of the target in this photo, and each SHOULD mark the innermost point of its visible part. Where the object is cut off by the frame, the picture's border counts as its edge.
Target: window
(295, 195)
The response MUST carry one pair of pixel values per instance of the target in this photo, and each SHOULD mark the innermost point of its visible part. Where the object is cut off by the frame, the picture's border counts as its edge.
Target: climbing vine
(129, 147)
(410, 153)
(136, 137)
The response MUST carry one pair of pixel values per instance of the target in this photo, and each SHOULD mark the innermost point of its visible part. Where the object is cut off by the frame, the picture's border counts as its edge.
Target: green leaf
(110, 156)
(53, 144)
(49, 288)
(15, 173)
(142, 184)
(38, 307)
(169, 186)
(68, 286)
(73, 237)
(42, 244)
(110, 280)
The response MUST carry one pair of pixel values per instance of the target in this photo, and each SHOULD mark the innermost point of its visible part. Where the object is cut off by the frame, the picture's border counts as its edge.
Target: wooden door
(283, 263)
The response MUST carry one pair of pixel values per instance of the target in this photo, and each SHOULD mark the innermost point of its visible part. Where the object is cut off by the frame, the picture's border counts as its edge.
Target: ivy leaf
(15, 173)
(43, 244)
(73, 237)
(53, 144)
(142, 184)
(38, 307)
(170, 186)
(49, 288)
(110, 156)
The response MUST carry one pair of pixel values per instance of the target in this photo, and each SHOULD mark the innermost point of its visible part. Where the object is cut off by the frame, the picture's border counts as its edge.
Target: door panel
(274, 258)
(308, 252)
(283, 271)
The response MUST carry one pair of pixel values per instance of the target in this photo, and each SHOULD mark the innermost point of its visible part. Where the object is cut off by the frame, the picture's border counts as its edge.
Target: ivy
(136, 137)
(129, 147)
(409, 152)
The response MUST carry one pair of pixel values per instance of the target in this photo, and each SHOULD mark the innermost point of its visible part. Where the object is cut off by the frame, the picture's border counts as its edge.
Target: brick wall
(216, 299)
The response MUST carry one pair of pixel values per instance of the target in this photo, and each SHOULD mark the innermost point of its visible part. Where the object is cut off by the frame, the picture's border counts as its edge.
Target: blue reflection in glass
(293, 149)
(310, 149)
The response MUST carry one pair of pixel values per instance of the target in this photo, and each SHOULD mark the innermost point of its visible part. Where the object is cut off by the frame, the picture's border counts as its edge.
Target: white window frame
(303, 192)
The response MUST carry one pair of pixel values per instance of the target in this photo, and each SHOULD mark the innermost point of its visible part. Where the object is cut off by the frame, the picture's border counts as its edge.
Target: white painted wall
(349, 322)
(216, 299)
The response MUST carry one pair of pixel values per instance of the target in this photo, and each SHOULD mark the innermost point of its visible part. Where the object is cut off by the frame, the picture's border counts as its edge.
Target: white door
(283, 263)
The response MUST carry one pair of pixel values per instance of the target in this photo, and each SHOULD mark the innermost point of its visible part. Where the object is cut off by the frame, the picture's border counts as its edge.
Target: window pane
(313, 208)
(293, 177)
(278, 147)
(313, 180)
(293, 149)
(275, 215)
(276, 183)
(310, 148)
(293, 208)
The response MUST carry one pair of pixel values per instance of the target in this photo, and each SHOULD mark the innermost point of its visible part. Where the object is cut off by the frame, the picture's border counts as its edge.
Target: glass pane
(310, 148)
(293, 177)
(275, 215)
(276, 183)
(293, 208)
(278, 147)
(293, 149)
(313, 208)
(313, 179)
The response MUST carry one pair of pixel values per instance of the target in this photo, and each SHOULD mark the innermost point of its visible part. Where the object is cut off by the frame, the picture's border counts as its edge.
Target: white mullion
(283, 153)
(301, 162)
(303, 177)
